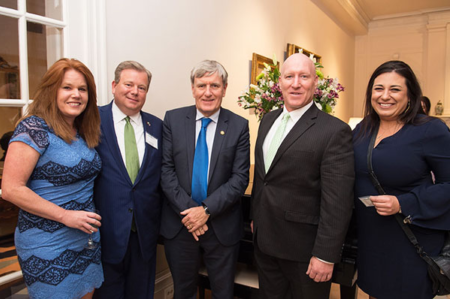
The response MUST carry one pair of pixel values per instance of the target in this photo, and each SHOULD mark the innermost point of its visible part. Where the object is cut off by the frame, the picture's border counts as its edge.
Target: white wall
(170, 37)
(422, 41)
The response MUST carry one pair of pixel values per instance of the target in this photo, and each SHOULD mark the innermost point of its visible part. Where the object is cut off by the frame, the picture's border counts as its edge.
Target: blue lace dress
(53, 258)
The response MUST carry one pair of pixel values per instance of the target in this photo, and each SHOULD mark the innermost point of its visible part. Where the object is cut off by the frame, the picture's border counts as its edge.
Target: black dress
(388, 264)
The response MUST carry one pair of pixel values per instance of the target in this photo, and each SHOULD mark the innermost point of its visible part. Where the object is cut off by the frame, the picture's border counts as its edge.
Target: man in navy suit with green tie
(127, 191)
(204, 174)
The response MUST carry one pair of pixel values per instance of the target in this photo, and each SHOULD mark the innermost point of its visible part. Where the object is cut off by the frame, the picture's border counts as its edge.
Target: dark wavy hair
(409, 116)
(426, 101)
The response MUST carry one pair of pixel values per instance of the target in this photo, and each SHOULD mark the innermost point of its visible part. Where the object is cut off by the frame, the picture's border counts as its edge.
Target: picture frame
(292, 49)
(258, 66)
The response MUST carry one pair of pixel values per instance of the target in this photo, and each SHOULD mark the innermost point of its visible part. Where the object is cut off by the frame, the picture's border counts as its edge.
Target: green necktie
(131, 152)
(276, 141)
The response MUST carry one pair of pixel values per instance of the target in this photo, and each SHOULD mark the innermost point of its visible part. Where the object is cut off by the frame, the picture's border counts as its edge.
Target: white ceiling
(355, 15)
(375, 9)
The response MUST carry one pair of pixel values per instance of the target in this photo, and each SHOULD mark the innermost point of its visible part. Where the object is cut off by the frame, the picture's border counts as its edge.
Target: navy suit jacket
(228, 172)
(117, 198)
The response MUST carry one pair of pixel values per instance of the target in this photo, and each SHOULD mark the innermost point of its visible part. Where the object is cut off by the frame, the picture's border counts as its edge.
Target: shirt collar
(298, 113)
(118, 115)
(214, 117)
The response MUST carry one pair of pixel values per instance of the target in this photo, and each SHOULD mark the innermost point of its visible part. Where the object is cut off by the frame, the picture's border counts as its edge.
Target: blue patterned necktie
(200, 171)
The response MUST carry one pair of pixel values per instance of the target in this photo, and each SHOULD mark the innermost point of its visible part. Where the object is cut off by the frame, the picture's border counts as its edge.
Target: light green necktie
(131, 152)
(276, 141)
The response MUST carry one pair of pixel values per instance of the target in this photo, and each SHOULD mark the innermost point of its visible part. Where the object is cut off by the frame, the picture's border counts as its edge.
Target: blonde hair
(134, 65)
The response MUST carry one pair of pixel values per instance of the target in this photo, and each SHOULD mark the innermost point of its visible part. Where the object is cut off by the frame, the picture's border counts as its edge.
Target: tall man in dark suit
(302, 191)
(202, 213)
(127, 191)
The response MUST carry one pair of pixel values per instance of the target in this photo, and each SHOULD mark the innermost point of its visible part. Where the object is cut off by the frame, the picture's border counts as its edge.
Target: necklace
(387, 131)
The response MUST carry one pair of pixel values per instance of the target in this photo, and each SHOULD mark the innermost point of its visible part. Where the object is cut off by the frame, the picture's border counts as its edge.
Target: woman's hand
(87, 222)
(386, 205)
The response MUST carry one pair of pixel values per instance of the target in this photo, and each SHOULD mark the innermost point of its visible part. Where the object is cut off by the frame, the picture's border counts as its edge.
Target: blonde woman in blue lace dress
(49, 174)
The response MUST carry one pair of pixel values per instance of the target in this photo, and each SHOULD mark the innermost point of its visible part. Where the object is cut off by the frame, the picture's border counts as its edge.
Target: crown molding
(351, 16)
(348, 14)
(415, 13)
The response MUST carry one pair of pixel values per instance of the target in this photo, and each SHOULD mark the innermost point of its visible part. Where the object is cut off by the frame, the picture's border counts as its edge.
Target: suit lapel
(264, 129)
(190, 138)
(219, 136)
(303, 124)
(109, 136)
(148, 129)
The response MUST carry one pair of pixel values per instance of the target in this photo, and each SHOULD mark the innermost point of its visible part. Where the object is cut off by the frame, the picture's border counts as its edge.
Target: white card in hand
(366, 201)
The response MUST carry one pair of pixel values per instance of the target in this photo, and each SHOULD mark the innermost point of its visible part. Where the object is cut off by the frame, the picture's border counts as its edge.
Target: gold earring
(407, 107)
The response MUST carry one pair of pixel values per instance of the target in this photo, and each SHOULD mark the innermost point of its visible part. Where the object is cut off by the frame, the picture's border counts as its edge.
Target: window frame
(87, 43)
(23, 17)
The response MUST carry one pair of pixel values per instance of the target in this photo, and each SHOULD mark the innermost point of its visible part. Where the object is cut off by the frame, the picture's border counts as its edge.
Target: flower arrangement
(266, 95)
(327, 90)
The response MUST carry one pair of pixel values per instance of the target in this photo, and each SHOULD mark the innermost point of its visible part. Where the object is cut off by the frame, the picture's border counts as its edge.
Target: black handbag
(438, 266)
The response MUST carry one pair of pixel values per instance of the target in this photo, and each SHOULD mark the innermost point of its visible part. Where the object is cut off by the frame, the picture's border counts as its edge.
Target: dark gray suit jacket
(302, 206)
(228, 172)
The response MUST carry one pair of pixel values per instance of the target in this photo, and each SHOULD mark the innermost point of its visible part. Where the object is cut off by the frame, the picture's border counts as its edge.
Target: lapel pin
(222, 133)
(148, 123)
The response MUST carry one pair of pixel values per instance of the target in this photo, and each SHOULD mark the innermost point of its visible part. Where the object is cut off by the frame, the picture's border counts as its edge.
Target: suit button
(130, 210)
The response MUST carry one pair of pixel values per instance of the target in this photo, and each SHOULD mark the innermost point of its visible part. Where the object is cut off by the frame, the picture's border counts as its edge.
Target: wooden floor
(334, 293)
(9, 263)
(8, 257)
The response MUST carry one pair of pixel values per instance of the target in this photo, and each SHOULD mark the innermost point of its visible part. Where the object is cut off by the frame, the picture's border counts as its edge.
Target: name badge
(151, 140)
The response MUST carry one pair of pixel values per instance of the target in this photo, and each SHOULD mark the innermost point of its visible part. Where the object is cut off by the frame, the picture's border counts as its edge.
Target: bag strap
(372, 174)
(402, 222)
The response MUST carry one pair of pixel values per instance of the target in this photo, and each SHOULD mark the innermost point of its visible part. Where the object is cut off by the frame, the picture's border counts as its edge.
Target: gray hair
(130, 64)
(207, 68)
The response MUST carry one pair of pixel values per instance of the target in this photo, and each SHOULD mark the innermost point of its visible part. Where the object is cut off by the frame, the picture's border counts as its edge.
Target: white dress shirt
(295, 115)
(119, 127)
(210, 131)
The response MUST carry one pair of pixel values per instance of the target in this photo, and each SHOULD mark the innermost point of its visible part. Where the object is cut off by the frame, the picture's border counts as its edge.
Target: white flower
(257, 98)
(274, 59)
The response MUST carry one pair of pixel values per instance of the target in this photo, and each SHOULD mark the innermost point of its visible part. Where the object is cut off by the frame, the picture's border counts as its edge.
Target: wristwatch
(206, 210)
